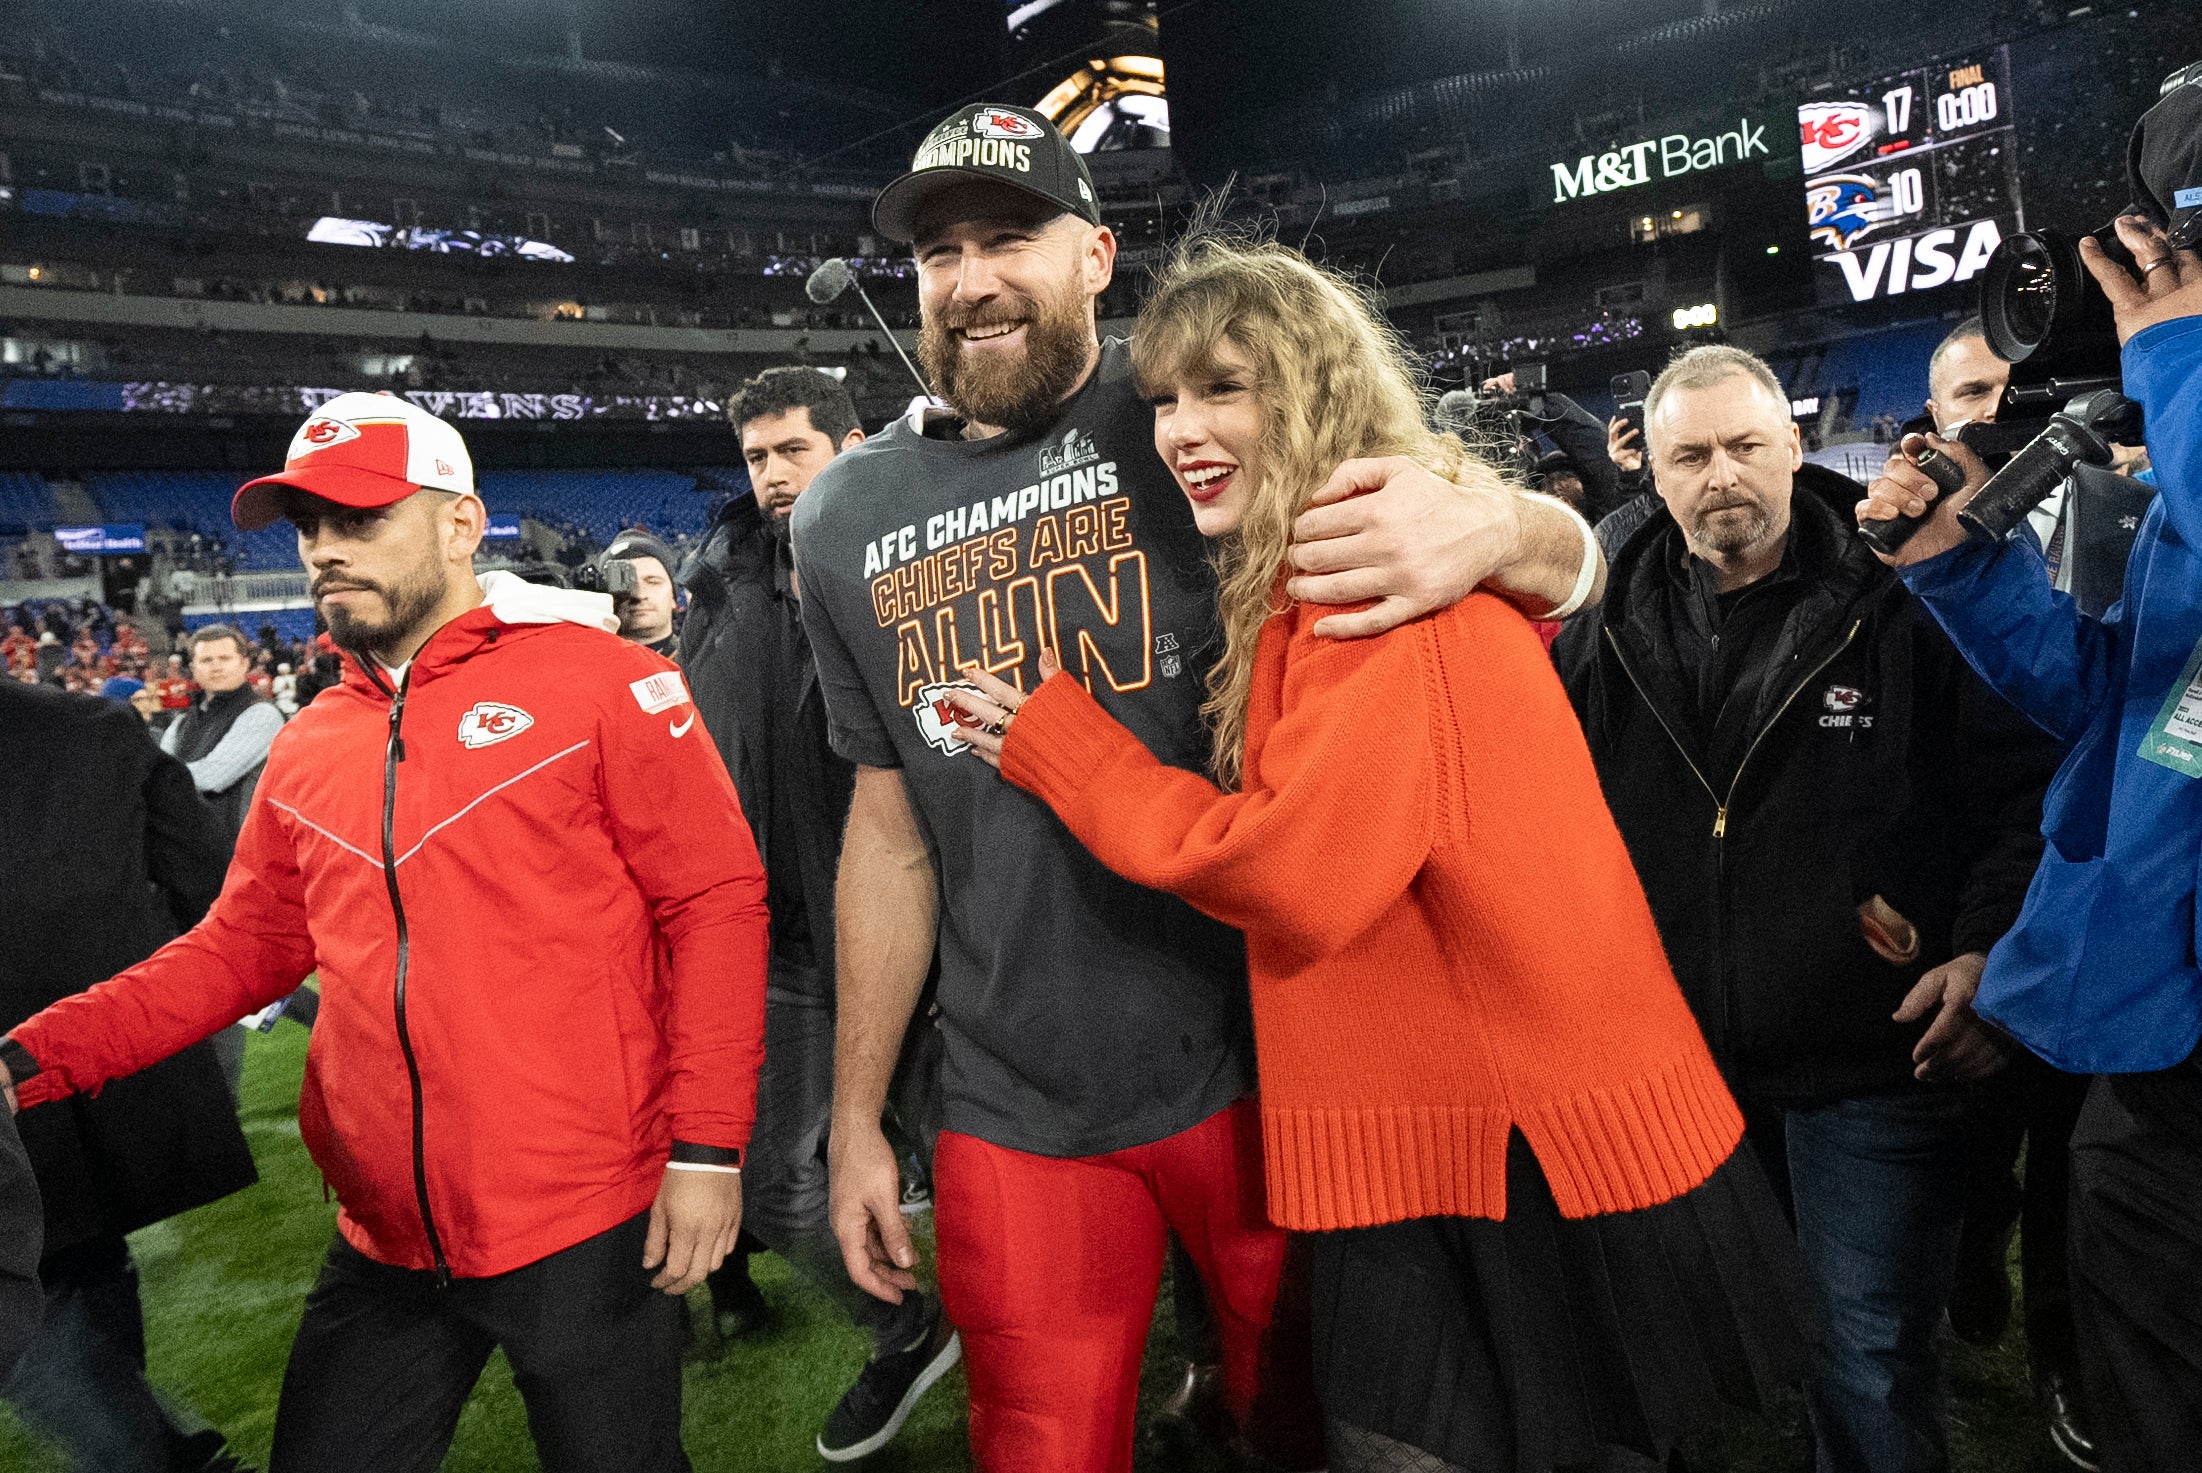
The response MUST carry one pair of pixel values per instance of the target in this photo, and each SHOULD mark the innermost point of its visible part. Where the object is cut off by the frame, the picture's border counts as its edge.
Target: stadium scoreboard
(1911, 180)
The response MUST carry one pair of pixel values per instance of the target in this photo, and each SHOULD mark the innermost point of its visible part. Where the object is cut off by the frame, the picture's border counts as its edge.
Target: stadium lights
(1773, 250)
(1704, 314)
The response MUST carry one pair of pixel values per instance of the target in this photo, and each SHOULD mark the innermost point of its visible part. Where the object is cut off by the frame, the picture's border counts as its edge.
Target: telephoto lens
(2039, 305)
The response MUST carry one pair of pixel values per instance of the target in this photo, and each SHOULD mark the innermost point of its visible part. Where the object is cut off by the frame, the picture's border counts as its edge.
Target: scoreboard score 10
(1910, 180)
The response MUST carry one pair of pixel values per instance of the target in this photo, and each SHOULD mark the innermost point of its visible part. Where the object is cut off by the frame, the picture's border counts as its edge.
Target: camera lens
(2021, 291)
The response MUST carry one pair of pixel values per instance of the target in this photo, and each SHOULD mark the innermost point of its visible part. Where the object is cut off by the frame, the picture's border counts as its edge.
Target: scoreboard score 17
(1911, 180)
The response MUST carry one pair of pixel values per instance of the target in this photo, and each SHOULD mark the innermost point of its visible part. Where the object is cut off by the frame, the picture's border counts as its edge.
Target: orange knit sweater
(1445, 935)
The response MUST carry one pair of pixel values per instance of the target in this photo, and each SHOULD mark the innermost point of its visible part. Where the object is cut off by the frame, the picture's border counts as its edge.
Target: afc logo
(322, 433)
(490, 722)
(1844, 705)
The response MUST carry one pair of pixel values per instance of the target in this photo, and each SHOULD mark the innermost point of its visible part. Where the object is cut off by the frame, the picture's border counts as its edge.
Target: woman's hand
(988, 711)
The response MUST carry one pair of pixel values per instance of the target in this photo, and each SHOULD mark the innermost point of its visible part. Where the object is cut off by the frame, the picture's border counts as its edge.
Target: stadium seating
(25, 504)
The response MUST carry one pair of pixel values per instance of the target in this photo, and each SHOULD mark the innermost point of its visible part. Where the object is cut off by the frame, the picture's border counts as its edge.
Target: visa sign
(1678, 154)
(1917, 263)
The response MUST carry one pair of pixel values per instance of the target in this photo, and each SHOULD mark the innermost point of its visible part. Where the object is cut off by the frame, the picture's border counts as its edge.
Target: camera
(2043, 313)
(612, 576)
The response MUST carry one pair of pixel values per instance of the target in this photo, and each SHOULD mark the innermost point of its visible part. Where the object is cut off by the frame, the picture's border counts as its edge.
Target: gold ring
(995, 728)
(2147, 267)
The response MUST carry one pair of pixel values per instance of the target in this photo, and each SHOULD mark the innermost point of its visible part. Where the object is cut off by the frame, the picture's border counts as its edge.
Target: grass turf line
(224, 1286)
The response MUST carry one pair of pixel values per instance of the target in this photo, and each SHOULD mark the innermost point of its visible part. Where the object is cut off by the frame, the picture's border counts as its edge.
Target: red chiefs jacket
(539, 921)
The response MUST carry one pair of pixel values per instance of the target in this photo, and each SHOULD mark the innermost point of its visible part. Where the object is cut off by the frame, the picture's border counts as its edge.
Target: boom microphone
(830, 279)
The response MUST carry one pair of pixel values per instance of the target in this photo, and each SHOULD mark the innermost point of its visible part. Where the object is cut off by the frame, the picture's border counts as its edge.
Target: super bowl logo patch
(487, 723)
(1844, 708)
(655, 693)
(939, 719)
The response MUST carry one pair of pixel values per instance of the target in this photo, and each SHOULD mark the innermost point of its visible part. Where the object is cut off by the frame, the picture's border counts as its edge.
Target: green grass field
(224, 1286)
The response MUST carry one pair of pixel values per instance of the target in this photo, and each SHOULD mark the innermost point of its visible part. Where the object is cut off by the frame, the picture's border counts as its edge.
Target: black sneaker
(738, 1306)
(874, 1409)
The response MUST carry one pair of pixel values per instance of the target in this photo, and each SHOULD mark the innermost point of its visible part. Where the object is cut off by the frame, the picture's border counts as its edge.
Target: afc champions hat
(2164, 160)
(361, 450)
(992, 143)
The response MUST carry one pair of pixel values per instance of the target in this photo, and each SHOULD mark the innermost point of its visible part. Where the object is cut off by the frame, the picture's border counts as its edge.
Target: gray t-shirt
(1083, 1013)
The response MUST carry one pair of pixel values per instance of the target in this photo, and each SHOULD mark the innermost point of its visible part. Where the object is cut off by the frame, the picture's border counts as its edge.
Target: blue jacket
(2099, 975)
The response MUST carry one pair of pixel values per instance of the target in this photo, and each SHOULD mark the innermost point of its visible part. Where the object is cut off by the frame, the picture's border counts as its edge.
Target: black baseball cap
(2164, 162)
(991, 143)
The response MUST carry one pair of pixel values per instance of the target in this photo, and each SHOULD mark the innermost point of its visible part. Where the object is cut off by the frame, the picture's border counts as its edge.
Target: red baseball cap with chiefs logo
(362, 450)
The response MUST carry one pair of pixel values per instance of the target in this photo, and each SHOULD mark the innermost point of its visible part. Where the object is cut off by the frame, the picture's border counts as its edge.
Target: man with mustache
(539, 923)
(1834, 819)
(746, 656)
(1098, 1075)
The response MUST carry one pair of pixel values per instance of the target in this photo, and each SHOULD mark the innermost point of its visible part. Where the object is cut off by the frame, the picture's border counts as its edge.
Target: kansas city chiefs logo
(322, 433)
(1841, 698)
(938, 718)
(1004, 125)
(491, 722)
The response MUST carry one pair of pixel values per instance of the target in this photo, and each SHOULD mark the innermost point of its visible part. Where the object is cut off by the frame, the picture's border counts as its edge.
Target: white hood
(517, 601)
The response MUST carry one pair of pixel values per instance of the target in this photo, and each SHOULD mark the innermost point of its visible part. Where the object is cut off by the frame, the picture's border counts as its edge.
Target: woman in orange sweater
(1534, 1238)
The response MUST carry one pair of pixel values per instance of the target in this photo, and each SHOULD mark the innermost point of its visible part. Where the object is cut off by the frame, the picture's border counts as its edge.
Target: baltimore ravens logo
(487, 723)
(1842, 207)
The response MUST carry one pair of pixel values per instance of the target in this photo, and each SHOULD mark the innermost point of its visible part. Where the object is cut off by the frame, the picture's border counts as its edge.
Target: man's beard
(1019, 392)
(781, 525)
(1731, 535)
(409, 605)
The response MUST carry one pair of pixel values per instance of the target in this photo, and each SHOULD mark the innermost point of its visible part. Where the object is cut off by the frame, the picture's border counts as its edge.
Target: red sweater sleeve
(251, 949)
(680, 830)
(1337, 810)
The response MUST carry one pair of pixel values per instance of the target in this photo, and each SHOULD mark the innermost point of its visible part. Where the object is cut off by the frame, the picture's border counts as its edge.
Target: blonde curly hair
(1334, 383)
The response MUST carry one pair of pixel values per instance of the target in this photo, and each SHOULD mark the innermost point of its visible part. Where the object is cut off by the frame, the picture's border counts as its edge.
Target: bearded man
(1099, 1067)
(1834, 819)
(539, 923)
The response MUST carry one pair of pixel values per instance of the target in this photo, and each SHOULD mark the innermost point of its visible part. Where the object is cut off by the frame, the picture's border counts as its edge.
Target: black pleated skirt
(1524, 1345)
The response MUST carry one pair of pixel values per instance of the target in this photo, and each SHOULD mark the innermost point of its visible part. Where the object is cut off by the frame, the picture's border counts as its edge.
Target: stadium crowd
(1678, 942)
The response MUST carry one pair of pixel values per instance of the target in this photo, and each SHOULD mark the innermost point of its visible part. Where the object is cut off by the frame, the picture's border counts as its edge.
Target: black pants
(2033, 1106)
(2136, 1264)
(385, 1360)
(785, 1184)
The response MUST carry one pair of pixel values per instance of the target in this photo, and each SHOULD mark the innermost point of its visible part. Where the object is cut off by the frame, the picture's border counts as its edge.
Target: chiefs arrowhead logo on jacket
(487, 723)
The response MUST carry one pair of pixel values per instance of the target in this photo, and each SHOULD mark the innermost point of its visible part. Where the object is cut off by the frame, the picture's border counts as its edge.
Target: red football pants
(1049, 1267)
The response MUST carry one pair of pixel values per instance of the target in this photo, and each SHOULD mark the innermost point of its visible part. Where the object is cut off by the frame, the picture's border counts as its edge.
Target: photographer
(645, 615)
(1567, 450)
(2099, 975)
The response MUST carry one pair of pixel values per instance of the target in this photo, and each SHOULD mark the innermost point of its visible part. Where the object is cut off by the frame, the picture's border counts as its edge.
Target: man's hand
(1956, 1045)
(866, 1196)
(1415, 543)
(2168, 284)
(1501, 384)
(1624, 445)
(1904, 489)
(693, 1224)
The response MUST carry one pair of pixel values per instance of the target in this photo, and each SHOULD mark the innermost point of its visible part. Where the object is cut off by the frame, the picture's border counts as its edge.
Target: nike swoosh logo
(682, 729)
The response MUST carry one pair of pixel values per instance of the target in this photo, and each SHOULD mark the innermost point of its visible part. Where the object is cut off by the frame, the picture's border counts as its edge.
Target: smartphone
(1529, 378)
(1629, 390)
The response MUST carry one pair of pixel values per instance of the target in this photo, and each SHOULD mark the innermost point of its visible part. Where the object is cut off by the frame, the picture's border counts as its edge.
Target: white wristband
(702, 1166)
(1585, 579)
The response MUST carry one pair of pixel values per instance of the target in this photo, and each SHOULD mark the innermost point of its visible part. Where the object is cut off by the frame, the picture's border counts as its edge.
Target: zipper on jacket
(1721, 804)
(393, 754)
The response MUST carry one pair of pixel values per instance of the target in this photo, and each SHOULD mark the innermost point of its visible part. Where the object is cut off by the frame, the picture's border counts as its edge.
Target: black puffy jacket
(1855, 755)
(750, 670)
